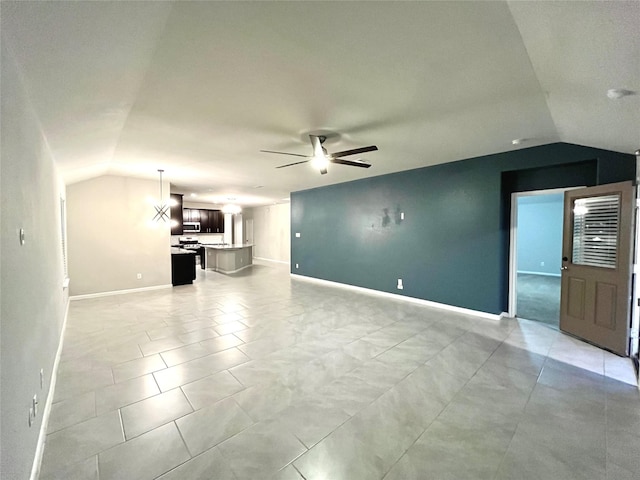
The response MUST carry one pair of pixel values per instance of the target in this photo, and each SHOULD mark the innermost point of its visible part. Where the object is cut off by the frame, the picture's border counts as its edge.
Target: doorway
(536, 253)
(248, 231)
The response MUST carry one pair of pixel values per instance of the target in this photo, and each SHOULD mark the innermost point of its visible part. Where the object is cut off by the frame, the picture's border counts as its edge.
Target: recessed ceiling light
(616, 93)
(194, 194)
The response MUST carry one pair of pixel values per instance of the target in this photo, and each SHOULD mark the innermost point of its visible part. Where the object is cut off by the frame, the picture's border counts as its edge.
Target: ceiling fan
(321, 158)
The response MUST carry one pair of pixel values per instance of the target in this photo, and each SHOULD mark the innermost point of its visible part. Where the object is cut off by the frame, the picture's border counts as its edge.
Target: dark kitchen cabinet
(183, 268)
(176, 214)
(218, 221)
(191, 215)
(211, 221)
(205, 223)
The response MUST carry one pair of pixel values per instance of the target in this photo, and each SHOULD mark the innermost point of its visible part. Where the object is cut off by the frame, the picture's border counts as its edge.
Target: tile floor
(259, 376)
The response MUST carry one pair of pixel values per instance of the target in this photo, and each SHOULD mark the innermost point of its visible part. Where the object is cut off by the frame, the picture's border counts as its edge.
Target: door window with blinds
(596, 231)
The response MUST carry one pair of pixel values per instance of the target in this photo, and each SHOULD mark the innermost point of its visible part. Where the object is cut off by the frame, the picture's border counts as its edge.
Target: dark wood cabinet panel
(191, 215)
(211, 221)
(176, 214)
(205, 221)
(183, 268)
(195, 215)
(218, 221)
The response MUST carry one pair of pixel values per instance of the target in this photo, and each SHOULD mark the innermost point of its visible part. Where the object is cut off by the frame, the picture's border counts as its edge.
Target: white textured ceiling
(198, 88)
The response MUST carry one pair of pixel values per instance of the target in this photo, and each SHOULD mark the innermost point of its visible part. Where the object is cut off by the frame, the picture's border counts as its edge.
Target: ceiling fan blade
(294, 163)
(355, 151)
(351, 163)
(286, 153)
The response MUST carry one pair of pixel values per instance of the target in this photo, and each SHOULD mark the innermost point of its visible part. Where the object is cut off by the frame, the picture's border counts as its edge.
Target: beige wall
(33, 300)
(111, 236)
(271, 232)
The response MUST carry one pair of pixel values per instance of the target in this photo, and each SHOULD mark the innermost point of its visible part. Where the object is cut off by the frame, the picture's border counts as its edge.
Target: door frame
(513, 236)
(634, 334)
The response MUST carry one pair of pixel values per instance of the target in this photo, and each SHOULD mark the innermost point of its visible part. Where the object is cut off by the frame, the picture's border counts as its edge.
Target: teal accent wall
(452, 246)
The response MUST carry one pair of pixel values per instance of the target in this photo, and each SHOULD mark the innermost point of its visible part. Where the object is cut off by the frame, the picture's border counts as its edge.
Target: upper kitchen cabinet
(205, 223)
(176, 214)
(216, 218)
(211, 221)
(191, 215)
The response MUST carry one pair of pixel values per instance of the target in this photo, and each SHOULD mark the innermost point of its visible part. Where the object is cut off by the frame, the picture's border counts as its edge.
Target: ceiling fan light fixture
(320, 159)
(319, 162)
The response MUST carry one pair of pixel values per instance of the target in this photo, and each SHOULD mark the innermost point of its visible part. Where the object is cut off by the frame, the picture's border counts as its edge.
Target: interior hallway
(259, 375)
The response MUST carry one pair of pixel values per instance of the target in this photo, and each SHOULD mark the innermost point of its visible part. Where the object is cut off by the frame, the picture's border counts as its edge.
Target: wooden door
(597, 245)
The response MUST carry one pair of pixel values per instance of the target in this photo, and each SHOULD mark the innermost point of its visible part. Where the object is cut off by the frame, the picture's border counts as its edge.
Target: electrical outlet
(297, 234)
(400, 285)
(297, 266)
(542, 264)
(139, 276)
(401, 215)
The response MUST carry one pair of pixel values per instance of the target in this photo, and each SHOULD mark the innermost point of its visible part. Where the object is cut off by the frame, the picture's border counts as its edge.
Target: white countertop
(235, 246)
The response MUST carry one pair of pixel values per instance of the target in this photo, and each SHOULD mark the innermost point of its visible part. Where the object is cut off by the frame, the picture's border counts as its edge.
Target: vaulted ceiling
(199, 88)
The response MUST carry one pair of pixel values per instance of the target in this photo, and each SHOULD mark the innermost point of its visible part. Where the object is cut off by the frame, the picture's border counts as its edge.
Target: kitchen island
(227, 258)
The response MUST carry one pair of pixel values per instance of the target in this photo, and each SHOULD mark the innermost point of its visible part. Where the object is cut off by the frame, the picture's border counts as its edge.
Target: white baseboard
(540, 273)
(37, 460)
(119, 292)
(395, 296)
(271, 260)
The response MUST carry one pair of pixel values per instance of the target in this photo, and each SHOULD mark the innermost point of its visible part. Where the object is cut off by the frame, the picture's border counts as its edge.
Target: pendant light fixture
(162, 209)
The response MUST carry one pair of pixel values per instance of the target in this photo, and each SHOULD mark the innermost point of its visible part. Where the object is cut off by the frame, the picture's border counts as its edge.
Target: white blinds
(595, 231)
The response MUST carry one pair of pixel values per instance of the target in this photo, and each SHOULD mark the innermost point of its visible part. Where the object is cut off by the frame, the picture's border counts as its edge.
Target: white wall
(112, 238)
(33, 301)
(271, 232)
